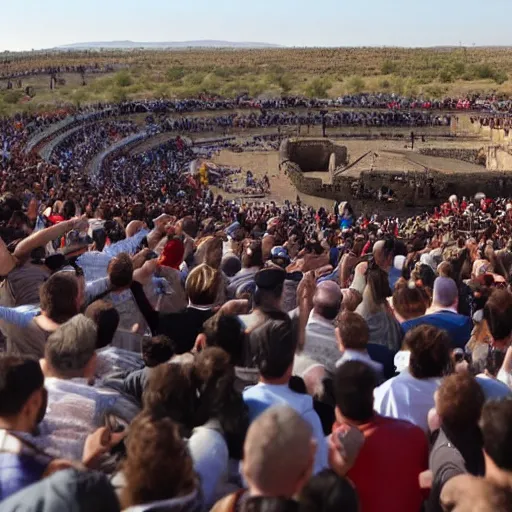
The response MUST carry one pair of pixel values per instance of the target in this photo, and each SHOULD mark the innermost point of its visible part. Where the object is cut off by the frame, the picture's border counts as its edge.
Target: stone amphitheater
(372, 167)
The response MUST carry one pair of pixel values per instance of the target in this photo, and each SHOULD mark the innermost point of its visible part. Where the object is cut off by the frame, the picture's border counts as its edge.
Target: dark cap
(270, 278)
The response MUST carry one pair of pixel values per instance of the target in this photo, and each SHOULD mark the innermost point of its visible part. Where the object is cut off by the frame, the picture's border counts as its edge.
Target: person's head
(430, 351)
(157, 350)
(327, 300)
(351, 331)
(377, 282)
(120, 271)
(68, 209)
(217, 398)
(279, 453)
(252, 255)
(22, 394)
(410, 300)
(327, 492)
(354, 382)
(225, 332)
(106, 318)
(498, 314)
(446, 293)
(383, 253)
(158, 465)
(70, 351)
(459, 401)
(269, 288)
(202, 285)
(496, 427)
(170, 392)
(209, 252)
(230, 264)
(273, 344)
(445, 269)
(59, 297)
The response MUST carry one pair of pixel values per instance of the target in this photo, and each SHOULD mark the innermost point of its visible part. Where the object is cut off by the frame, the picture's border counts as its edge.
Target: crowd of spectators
(165, 349)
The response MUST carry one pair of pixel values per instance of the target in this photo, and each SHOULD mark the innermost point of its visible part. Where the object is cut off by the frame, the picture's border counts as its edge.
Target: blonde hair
(202, 285)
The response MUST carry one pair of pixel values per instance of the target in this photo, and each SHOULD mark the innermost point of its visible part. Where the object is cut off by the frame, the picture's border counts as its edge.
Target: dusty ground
(262, 162)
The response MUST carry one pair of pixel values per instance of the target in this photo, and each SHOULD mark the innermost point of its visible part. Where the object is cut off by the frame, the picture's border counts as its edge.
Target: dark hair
(226, 332)
(106, 318)
(268, 504)
(430, 351)
(354, 383)
(459, 402)
(59, 297)
(498, 314)
(170, 392)
(157, 350)
(68, 209)
(327, 492)
(261, 297)
(217, 398)
(378, 282)
(252, 255)
(353, 330)
(274, 345)
(120, 271)
(496, 426)
(19, 378)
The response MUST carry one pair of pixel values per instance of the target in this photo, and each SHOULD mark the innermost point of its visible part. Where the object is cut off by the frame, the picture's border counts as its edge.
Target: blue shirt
(457, 326)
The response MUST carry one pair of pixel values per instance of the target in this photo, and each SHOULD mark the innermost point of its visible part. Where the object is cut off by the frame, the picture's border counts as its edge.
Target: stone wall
(473, 156)
(408, 189)
(314, 154)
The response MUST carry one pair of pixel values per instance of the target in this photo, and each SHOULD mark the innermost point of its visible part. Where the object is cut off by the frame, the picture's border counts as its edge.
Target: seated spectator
(202, 288)
(67, 489)
(110, 361)
(486, 364)
(75, 407)
(383, 482)
(267, 297)
(170, 392)
(443, 314)
(157, 350)
(158, 470)
(410, 395)
(410, 301)
(23, 400)
(383, 327)
(221, 421)
(252, 261)
(317, 359)
(495, 489)
(60, 300)
(279, 452)
(458, 447)
(274, 344)
(352, 337)
(329, 493)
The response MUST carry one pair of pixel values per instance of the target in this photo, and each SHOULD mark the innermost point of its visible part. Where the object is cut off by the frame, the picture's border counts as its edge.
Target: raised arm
(41, 238)
(7, 260)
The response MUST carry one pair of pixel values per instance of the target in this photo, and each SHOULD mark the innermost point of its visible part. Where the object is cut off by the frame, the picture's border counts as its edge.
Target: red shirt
(387, 468)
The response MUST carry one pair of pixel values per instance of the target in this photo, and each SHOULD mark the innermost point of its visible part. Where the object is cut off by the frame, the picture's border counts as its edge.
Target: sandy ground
(263, 162)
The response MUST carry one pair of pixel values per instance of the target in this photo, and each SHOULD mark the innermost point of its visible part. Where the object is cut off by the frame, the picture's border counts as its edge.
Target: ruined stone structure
(383, 189)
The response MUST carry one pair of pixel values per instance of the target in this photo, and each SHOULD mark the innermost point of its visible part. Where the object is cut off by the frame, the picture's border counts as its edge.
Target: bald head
(327, 300)
(279, 452)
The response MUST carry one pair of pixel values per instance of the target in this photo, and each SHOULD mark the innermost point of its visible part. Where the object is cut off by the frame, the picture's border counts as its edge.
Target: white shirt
(406, 398)
(356, 355)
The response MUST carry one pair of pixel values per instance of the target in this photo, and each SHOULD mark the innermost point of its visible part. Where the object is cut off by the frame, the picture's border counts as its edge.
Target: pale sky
(37, 24)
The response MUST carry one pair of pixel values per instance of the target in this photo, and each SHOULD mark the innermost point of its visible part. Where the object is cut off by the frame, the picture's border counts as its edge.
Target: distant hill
(163, 45)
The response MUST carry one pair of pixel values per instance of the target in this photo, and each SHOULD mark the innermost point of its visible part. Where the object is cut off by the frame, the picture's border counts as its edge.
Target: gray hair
(70, 348)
